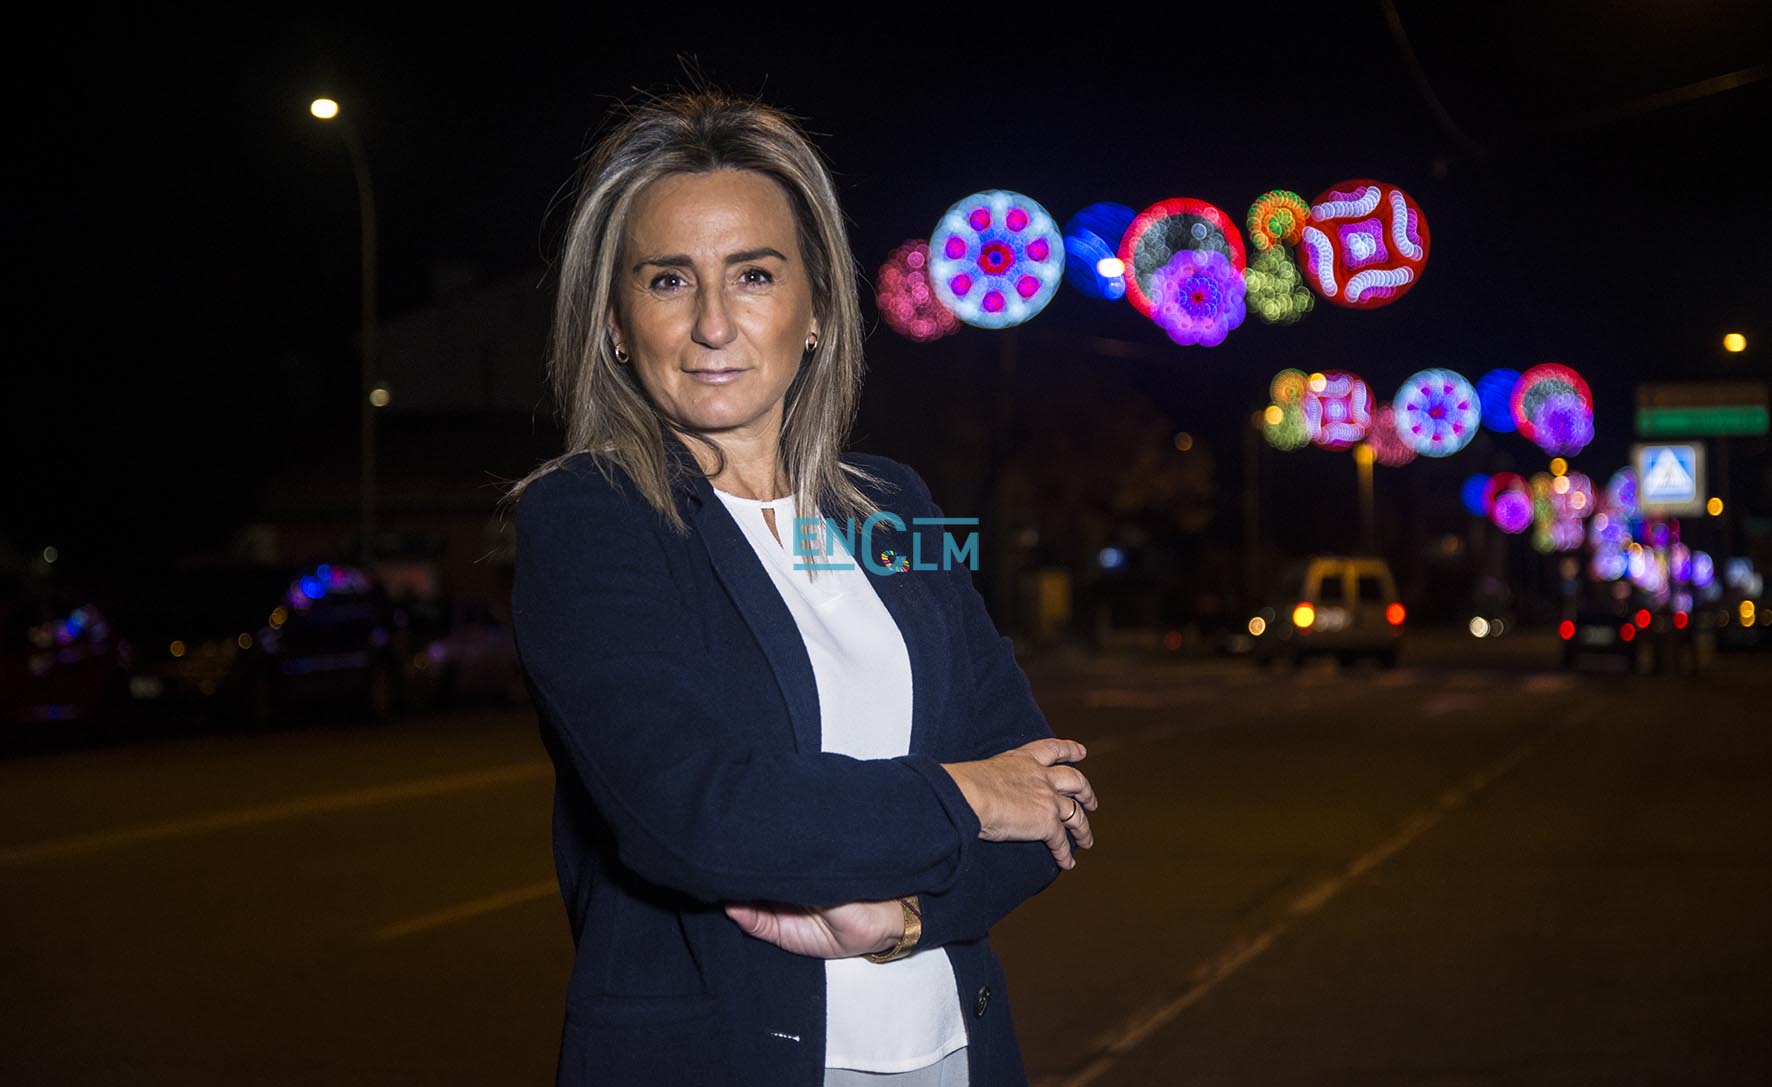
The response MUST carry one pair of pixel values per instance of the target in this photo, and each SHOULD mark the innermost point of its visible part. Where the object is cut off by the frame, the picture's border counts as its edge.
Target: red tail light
(1627, 632)
(1394, 615)
(1566, 629)
(1680, 620)
(1643, 618)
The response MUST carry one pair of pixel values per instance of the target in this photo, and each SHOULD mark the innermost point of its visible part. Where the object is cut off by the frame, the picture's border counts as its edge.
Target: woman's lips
(714, 377)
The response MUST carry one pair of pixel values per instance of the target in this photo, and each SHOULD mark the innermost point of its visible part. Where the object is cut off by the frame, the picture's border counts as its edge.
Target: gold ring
(1075, 808)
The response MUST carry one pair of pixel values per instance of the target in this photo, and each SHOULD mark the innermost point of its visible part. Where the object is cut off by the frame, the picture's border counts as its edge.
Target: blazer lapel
(907, 597)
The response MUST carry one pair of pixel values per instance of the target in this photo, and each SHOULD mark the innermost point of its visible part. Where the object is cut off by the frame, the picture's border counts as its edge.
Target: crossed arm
(615, 661)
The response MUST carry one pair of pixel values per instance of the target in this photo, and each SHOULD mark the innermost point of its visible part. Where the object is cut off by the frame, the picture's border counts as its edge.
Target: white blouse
(880, 1017)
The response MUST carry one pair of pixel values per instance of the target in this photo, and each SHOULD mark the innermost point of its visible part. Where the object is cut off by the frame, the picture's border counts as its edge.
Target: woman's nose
(713, 319)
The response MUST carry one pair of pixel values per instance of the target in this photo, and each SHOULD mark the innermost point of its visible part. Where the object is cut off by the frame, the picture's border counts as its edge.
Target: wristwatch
(913, 931)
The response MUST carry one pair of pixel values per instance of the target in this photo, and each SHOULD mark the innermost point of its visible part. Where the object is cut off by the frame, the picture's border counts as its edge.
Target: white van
(1341, 605)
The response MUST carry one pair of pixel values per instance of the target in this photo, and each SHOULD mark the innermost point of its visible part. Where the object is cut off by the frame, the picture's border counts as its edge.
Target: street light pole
(327, 110)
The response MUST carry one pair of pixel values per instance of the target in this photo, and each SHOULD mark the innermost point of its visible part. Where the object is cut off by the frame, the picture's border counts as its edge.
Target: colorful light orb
(1389, 447)
(1285, 427)
(1646, 570)
(996, 259)
(1704, 570)
(1679, 564)
(1608, 564)
(1276, 290)
(1092, 250)
(1169, 227)
(1608, 530)
(1539, 384)
(1340, 413)
(1566, 535)
(1276, 219)
(1572, 496)
(1621, 495)
(1365, 245)
(1475, 494)
(1437, 412)
(1496, 390)
(1199, 298)
(1511, 510)
(1562, 424)
(906, 300)
(1288, 388)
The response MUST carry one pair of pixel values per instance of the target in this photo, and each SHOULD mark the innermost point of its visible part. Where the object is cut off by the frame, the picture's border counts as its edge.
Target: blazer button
(981, 1001)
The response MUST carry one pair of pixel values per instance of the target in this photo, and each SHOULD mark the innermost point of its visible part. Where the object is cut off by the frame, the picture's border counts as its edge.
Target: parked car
(1616, 628)
(249, 645)
(64, 671)
(198, 638)
(1345, 606)
(463, 650)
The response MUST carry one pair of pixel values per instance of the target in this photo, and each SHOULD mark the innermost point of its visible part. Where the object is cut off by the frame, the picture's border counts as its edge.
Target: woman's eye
(666, 281)
(756, 276)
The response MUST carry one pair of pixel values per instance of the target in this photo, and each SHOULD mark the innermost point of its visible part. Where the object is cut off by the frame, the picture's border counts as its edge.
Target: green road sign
(1702, 421)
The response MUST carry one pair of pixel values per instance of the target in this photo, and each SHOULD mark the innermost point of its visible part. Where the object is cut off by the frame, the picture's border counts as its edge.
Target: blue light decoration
(1475, 495)
(996, 259)
(1438, 412)
(1496, 390)
(1092, 250)
(1199, 298)
(1704, 570)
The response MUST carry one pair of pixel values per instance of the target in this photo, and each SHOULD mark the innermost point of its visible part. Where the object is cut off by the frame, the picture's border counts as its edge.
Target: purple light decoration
(1565, 534)
(1389, 447)
(906, 300)
(1704, 570)
(1437, 412)
(1679, 563)
(1199, 297)
(1511, 511)
(1563, 424)
(1608, 564)
(1340, 413)
(1621, 494)
(996, 259)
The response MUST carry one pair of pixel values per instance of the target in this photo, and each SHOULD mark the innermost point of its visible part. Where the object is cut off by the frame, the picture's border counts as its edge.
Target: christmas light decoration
(996, 259)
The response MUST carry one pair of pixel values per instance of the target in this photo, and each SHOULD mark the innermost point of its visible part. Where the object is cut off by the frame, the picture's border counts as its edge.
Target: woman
(789, 803)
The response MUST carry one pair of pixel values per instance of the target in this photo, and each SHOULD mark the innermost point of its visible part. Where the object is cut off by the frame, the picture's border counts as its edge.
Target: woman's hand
(836, 932)
(1026, 794)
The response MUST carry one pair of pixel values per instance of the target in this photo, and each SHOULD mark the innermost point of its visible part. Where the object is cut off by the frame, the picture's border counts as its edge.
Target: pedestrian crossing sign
(1670, 478)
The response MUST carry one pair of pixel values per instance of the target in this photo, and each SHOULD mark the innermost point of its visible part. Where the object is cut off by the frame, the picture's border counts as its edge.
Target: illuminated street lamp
(1735, 343)
(327, 110)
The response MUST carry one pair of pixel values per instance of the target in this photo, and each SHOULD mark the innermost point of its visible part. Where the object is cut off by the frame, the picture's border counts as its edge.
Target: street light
(326, 109)
(1735, 343)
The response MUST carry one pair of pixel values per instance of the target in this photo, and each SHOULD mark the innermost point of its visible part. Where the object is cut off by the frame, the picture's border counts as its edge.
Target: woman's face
(713, 303)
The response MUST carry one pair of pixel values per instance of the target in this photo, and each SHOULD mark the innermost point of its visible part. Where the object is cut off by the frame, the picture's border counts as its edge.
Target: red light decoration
(906, 300)
(1365, 245)
(1539, 384)
(1169, 227)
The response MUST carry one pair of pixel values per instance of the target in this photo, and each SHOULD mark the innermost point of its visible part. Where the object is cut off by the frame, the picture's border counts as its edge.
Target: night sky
(185, 235)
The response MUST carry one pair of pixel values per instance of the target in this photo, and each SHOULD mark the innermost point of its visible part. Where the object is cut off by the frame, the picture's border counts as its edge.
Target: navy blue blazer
(680, 709)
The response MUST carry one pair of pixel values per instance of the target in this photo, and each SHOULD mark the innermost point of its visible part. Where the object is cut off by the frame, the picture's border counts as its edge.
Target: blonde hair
(606, 410)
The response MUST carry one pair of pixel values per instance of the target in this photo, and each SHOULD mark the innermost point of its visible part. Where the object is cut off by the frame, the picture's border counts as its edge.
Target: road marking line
(316, 804)
(516, 896)
(1239, 952)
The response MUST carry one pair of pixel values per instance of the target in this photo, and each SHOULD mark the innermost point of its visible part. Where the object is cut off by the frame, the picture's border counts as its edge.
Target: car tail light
(1680, 620)
(1627, 631)
(1642, 618)
(1394, 615)
(1303, 616)
(1566, 629)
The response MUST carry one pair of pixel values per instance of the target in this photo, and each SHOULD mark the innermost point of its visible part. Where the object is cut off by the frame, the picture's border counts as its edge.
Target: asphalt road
(1474, 869)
